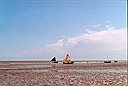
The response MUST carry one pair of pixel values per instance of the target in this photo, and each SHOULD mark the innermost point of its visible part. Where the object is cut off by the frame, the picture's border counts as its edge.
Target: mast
(107, 58)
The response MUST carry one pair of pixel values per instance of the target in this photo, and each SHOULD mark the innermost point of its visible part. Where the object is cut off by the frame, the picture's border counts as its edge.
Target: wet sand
(58, 74)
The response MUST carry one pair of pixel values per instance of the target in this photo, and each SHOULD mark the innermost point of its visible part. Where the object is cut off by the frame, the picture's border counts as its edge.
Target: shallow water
(26, 66)
(117, 70)
(95, 70)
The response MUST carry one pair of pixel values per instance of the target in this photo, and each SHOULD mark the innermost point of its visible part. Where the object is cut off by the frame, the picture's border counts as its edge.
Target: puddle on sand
(20, 71)
(39, 70)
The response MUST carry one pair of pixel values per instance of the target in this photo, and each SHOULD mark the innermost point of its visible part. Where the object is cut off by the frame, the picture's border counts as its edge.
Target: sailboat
(107, 61)
(67, 60)
(54, 60)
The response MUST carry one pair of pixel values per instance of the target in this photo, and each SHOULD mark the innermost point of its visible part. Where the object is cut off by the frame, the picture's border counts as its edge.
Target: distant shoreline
(62, 61)
(58, 60)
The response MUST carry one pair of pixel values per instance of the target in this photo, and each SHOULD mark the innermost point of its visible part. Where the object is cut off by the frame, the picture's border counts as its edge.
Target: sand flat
(50, 74)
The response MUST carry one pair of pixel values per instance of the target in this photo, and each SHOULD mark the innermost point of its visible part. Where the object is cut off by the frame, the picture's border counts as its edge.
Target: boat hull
(54, 61)
(68, 62)
(107, 61)
(115, 61)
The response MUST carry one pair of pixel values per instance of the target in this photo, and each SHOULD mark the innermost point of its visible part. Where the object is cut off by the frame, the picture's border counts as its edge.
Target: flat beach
(58, 74)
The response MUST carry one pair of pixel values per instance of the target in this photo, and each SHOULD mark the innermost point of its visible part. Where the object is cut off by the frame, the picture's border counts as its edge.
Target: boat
(67, 60)
(107, 61)
(53, 60)
(115, 61)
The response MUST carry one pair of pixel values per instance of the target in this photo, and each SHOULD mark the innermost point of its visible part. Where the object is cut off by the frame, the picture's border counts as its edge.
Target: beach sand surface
(58, 74)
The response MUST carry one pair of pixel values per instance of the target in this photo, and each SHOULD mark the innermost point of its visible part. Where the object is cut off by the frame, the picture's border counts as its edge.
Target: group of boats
(68, 61)
(65, 61)
(108, 61)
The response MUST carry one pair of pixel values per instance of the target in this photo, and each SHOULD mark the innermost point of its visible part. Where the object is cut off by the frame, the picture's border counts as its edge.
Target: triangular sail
(54, 59)
(67, 58)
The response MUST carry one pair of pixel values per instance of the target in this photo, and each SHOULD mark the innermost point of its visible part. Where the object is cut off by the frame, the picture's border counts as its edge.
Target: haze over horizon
(40, 30)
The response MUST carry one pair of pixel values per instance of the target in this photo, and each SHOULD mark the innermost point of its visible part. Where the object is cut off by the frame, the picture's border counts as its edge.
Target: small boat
(54, 60)
(107, 61)
(115, 61)
(67, 60)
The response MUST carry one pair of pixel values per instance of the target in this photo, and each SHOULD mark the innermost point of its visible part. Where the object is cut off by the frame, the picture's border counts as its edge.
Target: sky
(84, 29)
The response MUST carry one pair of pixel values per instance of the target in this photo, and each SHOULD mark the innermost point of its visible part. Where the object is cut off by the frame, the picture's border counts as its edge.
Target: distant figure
(87, 61)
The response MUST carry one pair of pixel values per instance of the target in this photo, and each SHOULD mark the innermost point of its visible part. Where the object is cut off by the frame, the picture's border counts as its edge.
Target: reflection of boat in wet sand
(67, 60)
(107, 61)
(54, 60)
